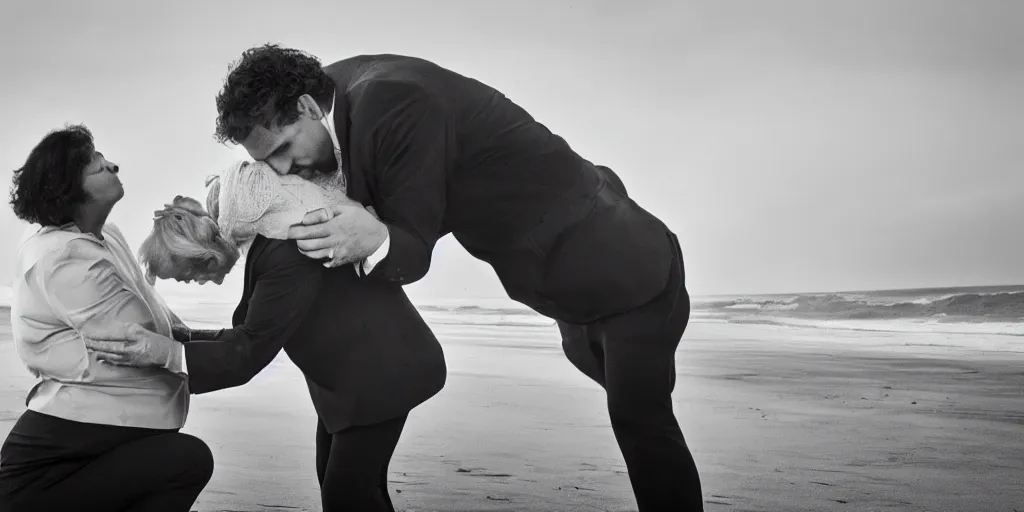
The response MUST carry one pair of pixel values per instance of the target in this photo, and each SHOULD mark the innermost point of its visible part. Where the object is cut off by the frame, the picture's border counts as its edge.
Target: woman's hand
(135, 347)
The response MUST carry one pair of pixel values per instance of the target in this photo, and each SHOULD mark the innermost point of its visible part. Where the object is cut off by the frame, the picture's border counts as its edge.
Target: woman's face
(202, 276)
(100, 182)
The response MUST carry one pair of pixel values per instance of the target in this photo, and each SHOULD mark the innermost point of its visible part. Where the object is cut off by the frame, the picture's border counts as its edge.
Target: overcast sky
(792, 145)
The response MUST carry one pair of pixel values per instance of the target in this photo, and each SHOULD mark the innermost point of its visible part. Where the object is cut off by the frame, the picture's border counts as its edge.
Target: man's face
(303, 145)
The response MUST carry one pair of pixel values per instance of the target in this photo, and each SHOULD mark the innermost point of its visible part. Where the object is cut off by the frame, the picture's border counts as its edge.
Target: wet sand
(778, 418)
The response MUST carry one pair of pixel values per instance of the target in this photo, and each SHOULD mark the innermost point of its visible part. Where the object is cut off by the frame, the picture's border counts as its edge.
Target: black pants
(352, 466)
(632, 356)
(52, 464)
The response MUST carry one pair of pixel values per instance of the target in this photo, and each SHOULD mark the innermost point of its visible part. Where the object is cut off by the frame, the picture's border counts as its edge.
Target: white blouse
(69, 285)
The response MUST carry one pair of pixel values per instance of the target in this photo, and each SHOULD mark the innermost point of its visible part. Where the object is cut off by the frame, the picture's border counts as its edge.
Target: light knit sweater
(255, 200)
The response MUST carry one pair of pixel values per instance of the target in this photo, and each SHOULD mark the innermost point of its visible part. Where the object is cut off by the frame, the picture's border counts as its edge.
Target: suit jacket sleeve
(286, 284)
(410, 143)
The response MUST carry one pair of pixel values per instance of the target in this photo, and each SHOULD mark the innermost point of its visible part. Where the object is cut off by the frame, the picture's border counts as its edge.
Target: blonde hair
(185, 240)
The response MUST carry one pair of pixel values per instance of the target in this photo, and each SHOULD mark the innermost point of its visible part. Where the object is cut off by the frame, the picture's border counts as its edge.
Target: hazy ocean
(995, 310)
(981, 310)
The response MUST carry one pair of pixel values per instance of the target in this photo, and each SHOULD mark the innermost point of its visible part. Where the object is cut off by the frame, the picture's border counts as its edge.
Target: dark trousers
(52, 464)
(352, 466)
(632, 355)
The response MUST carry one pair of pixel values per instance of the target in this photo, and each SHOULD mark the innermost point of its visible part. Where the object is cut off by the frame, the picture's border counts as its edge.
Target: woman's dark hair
(48, 189)
(264, 87)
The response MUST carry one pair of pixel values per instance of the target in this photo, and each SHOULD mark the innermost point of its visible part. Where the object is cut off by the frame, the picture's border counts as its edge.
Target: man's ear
(309, 107)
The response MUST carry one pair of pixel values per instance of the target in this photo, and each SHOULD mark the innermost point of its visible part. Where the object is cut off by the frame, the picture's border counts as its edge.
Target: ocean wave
(447, 314)
(473, 309)
(965, 306)
(992, 310)
(481, 316)
(886, 326)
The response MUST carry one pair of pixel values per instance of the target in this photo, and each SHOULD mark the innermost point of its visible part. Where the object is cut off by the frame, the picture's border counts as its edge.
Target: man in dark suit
(367, 355)
(435, 152)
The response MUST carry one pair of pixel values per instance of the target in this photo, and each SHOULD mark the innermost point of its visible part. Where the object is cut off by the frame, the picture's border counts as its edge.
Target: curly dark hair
(264, 87)
(48, 189)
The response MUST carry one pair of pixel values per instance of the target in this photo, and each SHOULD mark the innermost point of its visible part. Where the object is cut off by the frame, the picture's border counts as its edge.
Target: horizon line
(708, 295)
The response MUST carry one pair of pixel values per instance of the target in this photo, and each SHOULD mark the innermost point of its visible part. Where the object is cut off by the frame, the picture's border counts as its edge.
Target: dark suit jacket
(366, 353)
(435, 152)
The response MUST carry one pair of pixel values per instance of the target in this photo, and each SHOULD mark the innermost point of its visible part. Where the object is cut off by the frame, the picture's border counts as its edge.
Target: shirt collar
(328, 122)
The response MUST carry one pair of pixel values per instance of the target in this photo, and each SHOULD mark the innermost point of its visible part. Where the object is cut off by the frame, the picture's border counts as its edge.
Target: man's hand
(181, 333)
(340, 234)
(136, 346)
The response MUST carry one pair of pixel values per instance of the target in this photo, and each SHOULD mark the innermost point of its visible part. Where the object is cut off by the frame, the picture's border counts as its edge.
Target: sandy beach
(778, 418)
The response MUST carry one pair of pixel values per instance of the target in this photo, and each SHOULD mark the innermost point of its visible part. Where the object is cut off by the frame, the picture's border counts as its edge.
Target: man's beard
(318, 169)
(326, 168)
